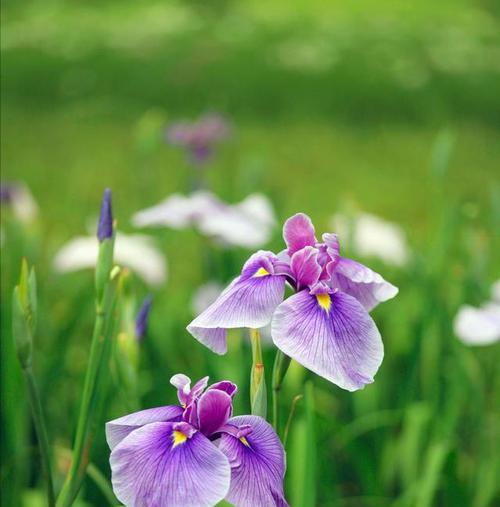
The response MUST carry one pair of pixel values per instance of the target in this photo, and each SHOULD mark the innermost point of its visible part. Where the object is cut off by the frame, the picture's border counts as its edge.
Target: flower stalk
(24, 306)
(281, 364)
(258, 391)
(106, 282)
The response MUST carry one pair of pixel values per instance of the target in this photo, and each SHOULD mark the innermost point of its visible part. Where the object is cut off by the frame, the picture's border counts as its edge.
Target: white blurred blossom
(480, 326)
(248, 224)
(136, 252)
(372, 236)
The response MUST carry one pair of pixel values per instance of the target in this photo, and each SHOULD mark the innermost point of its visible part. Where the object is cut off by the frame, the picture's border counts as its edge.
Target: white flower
(20, 200)
(372, 236)
(136, 252)
(248, 224)
(479, 326)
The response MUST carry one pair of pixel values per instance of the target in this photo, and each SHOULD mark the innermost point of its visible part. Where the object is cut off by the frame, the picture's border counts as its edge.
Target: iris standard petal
(257, 464)
(330, 334)
(367, 286)
(249, 301)
(298, 232)
(168, 465)
(226, 386)
(118, 429)
(214, 409)
(305, 267)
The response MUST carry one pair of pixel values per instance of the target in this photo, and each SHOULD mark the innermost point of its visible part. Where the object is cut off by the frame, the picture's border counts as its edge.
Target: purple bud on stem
(141, 322)
(105, 227)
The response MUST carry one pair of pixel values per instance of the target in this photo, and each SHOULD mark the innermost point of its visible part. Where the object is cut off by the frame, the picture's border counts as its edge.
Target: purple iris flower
(198, 138)
(325, 325)
(196, 454)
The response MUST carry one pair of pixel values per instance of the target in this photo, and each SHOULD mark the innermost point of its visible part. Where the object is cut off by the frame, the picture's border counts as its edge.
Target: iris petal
(249, 301)
(298, 232)
(214, 409)
(162, 465)
(257, 464)
(118, 429)
(367, 286)
(335, 338)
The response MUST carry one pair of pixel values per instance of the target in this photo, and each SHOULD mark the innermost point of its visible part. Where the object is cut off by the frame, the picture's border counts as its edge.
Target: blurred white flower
(248, 224)
(480, 326)
(137, 252)
(204, 296)
(371, 236)
(20, 200)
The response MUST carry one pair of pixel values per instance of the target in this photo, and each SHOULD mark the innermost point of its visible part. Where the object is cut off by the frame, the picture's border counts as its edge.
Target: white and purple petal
(249, 301)
(257, 461)
(168, 464)
(298, 232)
(331, 335)
(118, 429)
(359, 281)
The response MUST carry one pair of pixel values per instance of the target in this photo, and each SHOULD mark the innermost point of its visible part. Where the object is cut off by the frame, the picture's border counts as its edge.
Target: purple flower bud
(141, 322)
(105, 226)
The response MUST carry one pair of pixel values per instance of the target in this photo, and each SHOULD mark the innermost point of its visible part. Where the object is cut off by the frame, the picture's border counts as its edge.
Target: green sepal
(21, 330)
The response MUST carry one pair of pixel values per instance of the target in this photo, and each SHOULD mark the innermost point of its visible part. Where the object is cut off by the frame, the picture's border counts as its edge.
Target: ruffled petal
(368, 287)
(169, 464)
(226, 386)
(330, 334)
(118, 429)
(298, 232)
(249, 301)
(214, 409)
(305, 267)
(257, 462)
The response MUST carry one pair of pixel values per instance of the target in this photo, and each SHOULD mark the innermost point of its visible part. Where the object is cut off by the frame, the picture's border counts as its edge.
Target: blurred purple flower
(141, 322)
(325, 326)
(196, 453)
(17, 197)
(199, 137)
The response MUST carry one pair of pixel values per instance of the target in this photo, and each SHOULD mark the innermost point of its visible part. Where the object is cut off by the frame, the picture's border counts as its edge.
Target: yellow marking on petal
(324, 301)
(244, 441)
(261, 272)
(178, 438)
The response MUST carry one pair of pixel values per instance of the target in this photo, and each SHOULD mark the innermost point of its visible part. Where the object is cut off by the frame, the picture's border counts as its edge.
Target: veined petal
(368, 287)
(257, 462)
(214, 409)
(168, 464)
(298, 232)
(249, 301)
(226, 386)
(330, 334)
(118, 429)
(305, 267)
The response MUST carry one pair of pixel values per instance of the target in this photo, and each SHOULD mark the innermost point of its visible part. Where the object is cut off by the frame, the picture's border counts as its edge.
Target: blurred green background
(388, 107)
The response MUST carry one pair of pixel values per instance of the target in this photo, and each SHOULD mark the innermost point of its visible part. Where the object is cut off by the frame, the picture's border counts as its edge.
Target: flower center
(244, 441)
(324, 301)
(261, 272)
(178, 438)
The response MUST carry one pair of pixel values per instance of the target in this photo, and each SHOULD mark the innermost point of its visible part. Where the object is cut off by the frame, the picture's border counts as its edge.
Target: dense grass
(335, 107)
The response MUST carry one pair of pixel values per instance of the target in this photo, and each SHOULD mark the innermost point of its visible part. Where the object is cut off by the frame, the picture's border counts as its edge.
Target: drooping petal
(183, 384)
(330, 334)
(249, 301)
(478, 326)
(298, 232)
(168, 464)
(214, 409)
(118, 429)
(305, 267)
(368, 287)
(257, 462)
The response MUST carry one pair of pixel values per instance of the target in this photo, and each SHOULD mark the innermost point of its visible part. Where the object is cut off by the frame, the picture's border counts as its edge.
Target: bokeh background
(390, 108)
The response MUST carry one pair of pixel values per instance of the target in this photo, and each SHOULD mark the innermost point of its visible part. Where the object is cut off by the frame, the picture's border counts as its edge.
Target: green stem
(281, 364)
(102, 483)
(290, 417)
(258, 392)
(81, 449)
(41, 432)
